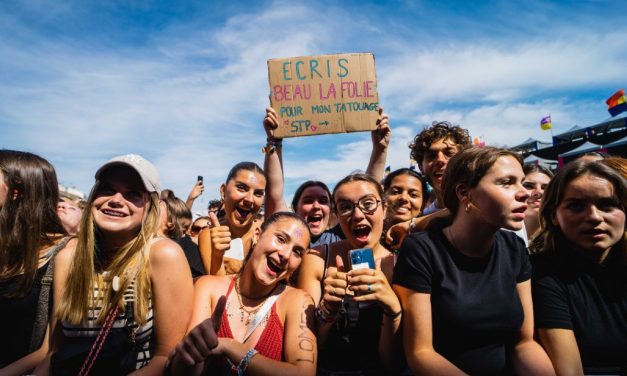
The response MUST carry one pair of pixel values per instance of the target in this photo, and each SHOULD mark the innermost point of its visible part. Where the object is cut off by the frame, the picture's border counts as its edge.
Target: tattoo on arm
(305, 343)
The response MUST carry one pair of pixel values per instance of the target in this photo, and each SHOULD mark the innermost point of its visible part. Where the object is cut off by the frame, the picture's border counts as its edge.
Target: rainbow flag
(546, 123)
(616, 103)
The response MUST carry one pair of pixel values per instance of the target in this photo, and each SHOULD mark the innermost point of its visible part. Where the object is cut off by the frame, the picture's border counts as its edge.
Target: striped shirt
(144, 336)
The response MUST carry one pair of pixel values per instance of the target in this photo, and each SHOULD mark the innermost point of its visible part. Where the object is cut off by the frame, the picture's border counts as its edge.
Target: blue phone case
(362, 258)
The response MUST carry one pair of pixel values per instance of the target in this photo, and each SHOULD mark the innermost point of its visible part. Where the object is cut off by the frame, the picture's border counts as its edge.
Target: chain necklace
(250, 314)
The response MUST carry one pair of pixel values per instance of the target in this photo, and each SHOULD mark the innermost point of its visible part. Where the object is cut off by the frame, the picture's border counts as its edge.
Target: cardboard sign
(324, 94)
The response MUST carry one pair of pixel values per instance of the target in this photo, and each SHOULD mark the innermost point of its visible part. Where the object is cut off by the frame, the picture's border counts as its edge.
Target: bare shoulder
(293, 294)
(210, 283)
(294, 301)
(66, 254)
(165, 251)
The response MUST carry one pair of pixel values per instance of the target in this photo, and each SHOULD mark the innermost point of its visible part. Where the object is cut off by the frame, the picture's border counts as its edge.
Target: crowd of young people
(481, 265)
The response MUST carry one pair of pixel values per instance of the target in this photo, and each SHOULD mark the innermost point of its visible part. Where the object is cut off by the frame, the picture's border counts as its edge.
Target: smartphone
(362, 258)
(199, 178)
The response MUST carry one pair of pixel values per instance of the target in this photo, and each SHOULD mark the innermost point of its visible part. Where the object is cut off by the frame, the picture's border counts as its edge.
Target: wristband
(241, 368)
(275, 141)
(324, 314)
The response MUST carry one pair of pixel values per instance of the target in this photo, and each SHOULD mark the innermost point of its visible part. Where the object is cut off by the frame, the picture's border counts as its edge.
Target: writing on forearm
(305, 343)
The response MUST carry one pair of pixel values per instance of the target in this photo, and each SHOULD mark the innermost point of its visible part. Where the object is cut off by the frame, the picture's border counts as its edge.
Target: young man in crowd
(432, 148)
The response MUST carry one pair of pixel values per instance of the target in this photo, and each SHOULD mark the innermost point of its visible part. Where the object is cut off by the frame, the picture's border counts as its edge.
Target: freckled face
(590, 215)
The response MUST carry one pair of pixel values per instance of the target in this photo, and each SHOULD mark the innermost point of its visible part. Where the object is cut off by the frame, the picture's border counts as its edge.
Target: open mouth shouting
(361, 233)
(242, 214)
(314, 220)
(274, 267)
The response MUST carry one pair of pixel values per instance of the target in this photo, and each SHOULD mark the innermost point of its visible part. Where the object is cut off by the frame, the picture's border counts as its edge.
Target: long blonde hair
(130, 262)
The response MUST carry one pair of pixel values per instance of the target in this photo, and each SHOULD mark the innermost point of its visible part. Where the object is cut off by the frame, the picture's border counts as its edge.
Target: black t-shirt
(476, 311)
(572, 292)
(193, 256)
(17, 318)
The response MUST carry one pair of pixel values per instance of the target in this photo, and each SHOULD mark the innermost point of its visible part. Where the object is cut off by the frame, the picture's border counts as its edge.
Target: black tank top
(17, 316)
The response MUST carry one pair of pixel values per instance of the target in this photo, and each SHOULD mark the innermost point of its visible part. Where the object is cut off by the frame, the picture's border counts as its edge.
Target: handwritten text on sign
(324, 94)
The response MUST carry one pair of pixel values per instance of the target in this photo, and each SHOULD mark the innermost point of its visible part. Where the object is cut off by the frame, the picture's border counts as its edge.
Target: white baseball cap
(146, 170)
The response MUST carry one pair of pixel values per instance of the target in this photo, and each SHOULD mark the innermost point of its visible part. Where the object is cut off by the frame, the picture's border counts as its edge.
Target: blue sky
(184, 83)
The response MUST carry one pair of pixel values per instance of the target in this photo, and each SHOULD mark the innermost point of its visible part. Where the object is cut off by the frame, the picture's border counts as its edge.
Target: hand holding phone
(362, 258)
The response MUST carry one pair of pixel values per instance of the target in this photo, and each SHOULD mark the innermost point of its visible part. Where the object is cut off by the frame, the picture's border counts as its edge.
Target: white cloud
(477, 72)
(191, 98)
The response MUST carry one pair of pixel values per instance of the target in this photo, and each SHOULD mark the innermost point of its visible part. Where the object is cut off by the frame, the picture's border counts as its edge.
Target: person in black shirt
(30, 235)
(580, 272)
(464, 284)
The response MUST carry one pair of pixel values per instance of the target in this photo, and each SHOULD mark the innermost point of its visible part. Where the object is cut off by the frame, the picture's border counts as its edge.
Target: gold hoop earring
(467, 209)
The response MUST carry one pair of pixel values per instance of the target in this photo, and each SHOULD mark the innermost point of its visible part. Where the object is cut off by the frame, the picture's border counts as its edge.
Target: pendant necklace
(250, 314)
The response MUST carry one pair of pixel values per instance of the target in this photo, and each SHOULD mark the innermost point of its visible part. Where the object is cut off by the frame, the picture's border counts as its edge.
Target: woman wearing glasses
(358, 314)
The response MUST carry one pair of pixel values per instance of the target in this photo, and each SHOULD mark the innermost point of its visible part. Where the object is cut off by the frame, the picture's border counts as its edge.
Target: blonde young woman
(358, 314)
(119, 273)
(242, 194)
(30, 235)
(266, 327)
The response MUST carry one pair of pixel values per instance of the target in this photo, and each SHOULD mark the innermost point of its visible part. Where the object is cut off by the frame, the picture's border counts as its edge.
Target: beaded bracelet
(323, 314)
(272, 145)
(241, 368)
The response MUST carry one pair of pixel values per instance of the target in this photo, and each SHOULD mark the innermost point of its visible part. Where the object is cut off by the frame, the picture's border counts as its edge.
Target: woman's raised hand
(334, 286)
(220, 235)
(200, 341)
(373, 285)
(270, 122)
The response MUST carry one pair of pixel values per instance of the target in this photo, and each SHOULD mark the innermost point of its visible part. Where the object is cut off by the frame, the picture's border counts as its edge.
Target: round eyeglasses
(367, 205)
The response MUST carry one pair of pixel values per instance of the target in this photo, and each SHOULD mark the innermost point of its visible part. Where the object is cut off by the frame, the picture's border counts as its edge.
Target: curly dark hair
(439, 130)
